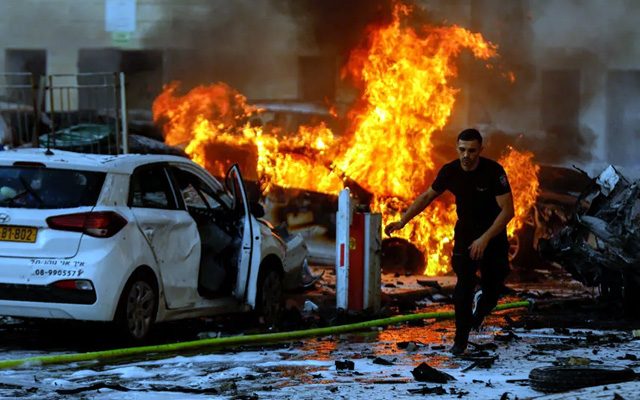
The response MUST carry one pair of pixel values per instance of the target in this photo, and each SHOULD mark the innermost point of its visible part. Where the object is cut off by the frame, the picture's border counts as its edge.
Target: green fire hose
(226, 342)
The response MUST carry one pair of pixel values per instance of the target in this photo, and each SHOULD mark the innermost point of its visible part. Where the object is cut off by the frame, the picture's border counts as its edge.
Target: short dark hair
(470, 134)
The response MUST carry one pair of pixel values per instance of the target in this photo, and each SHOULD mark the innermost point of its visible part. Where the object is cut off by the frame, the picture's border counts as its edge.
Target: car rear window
(29, 187)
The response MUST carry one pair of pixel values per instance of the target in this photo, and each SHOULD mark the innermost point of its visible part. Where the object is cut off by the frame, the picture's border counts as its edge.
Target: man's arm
(505, 202)
(419, 204)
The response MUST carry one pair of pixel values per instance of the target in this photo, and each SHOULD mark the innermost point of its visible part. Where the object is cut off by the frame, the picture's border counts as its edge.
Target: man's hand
(476, 250)
(392, 227)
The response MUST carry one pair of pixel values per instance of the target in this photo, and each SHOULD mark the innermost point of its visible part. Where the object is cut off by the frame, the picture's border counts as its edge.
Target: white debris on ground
(373, 364)
(308, 370)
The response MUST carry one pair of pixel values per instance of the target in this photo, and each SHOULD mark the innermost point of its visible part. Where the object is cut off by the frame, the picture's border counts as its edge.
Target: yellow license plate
(10, 233)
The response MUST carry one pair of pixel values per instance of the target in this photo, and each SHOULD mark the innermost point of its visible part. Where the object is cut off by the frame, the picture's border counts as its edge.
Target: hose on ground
(225, 342)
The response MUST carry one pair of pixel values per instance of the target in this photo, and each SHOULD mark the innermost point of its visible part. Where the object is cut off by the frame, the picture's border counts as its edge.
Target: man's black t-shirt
(475, 193)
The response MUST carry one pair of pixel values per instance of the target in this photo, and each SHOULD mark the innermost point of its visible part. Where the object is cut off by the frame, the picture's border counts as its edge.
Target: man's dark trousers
(494, 268)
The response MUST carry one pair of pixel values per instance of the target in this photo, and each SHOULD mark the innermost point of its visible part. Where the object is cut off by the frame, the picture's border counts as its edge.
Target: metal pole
(115, 113)
(51, 108)
(343, 222)
(123, 106)
(36, 113)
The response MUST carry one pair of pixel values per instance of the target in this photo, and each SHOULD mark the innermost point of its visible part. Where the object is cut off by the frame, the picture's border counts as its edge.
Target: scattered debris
(9, 386)
(309, 306)
(346, 364)
(461, 393)
(441, 298)
(95, 386)
(479, 362)
(382, 361)
(483, 346)
(410, 346)
(599, 244)
(552, 347)
(474, 355)
(439, 390)
(521, 382)
(572, 361)
(390, 382)
(429, 283)
(425, 373)
(508, 337)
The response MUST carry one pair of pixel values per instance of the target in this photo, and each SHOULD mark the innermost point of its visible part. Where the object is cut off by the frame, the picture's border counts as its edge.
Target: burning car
(600, 244)
(135, 239)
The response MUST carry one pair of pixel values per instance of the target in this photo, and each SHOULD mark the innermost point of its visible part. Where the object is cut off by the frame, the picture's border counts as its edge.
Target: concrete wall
(594, 37)
(247, 43)
(254, 45)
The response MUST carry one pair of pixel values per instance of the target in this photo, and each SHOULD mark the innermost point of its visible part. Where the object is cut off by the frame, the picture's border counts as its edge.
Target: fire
(407, 99)
(523, 177)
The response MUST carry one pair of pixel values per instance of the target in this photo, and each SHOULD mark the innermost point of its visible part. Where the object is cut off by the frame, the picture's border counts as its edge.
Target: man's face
(469, 153)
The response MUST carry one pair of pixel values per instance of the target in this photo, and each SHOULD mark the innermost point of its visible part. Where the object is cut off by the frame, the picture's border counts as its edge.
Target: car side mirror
(256, 209)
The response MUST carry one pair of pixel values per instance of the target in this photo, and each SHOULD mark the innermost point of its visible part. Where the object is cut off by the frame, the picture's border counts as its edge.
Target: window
(29, 187)
(198, 194)
(150, 189)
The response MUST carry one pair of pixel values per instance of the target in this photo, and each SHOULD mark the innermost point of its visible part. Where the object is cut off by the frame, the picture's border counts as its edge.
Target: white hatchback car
(134, 239)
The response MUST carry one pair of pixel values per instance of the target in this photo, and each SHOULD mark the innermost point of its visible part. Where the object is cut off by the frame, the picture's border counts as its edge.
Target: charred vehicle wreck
(600, 244)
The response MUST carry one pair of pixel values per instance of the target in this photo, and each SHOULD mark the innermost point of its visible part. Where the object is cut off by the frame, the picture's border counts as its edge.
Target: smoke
(250, 45)
(337, 26)
(255, 47)
(562, 53)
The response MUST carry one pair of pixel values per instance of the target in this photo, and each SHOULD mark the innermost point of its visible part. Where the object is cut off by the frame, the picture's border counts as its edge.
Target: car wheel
(269, 302)
(563, 378)
(137, 308)
(401, 256)
(521, 251)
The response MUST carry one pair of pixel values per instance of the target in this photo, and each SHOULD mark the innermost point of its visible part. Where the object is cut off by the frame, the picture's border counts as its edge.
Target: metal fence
(79, 112)
(19, 109)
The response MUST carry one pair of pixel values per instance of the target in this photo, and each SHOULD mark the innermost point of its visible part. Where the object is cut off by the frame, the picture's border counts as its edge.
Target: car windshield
(29, 187)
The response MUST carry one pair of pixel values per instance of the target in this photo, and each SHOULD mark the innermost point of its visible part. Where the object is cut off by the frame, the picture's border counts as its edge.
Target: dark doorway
(32, 61)
(560, 113)
(623, 117)
(143, 71)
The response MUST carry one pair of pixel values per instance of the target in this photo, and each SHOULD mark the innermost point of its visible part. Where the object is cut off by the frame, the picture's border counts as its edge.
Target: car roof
(123, 163)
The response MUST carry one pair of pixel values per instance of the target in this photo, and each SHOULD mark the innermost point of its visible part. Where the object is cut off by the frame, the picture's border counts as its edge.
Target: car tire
(401, 256)
(521, 250)
(137, 308)
(564, 378)
(269, 299)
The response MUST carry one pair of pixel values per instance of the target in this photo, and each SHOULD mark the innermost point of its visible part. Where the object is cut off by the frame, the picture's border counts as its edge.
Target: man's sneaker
(476, 325)
(476, 301)
(458, 349)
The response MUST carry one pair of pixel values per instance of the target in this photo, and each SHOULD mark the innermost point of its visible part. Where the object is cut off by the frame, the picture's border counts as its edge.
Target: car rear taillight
(102, 224)
(74, 284)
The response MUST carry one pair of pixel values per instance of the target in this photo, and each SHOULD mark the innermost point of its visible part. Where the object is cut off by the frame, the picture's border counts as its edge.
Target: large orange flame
(388, 147)
(523, 177)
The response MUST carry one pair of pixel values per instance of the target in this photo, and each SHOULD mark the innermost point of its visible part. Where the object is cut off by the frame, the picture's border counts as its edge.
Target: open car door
(248, 249)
